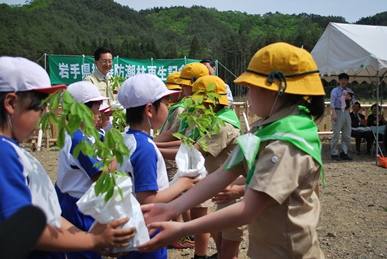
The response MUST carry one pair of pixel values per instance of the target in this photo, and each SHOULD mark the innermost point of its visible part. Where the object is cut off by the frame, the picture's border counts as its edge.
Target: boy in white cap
(23, 180)
(283, 156)
(145, 98)
(77, 174)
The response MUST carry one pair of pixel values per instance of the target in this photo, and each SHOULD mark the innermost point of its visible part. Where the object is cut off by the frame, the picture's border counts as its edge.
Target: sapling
(69, 116)
(201, 119)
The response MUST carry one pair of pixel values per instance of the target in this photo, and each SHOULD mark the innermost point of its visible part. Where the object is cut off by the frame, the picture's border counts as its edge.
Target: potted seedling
(202, 121)
(110, 197)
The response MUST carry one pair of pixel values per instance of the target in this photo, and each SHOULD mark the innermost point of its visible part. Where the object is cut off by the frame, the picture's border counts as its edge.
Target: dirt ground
(353, 220)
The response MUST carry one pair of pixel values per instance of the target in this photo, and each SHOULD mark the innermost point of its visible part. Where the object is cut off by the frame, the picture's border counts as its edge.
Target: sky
(351, 10)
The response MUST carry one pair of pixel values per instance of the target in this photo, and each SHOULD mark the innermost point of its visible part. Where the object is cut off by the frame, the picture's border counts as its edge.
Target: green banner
(70, 69)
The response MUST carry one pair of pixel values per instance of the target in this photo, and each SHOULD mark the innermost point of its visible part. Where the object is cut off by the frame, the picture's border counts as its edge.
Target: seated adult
(359, 128)
(376, 120)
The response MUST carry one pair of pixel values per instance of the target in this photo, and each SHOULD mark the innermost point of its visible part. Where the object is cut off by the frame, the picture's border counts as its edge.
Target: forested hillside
(75, 27)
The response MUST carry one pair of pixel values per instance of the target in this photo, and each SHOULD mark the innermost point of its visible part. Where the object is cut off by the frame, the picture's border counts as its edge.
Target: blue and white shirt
(75, 174)
(24, 182)
(146, 165)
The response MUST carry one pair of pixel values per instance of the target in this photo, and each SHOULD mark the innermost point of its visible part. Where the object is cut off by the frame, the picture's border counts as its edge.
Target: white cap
(19, 74)
(142, 89)
(104, 106)
(84, 92)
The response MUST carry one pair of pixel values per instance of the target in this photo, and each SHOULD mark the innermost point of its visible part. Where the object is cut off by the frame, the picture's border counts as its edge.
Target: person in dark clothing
(359, 129)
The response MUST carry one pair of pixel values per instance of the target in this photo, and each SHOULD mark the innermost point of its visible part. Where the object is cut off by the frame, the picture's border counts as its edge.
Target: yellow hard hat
(191, 72)
(220, 88)
(171, 81)
(284, 68)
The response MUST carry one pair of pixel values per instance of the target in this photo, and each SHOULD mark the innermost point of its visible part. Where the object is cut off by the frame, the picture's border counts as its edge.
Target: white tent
(358, 50)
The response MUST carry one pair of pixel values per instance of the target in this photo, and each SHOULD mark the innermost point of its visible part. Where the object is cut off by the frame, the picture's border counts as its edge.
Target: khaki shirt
(102, 83)
(220, 146)
(172, 125)
(174, 122)
(287, 227)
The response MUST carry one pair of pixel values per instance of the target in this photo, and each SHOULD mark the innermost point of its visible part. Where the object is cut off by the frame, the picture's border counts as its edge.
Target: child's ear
(148, 110)
(10, 102)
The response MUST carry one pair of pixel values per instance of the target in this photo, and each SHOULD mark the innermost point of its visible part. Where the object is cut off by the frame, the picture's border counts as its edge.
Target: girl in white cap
(23, 180)
(77, 174)
(281, 157)
(145, 98)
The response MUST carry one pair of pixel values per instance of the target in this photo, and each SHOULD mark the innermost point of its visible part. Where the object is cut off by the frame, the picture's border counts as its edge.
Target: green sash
(170, 112)
(229, 116)
(298, 130)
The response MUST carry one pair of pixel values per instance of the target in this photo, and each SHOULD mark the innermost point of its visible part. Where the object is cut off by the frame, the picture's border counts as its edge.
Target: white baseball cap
(18, 74)
(104, 106)
(84, 92)
(142, 89)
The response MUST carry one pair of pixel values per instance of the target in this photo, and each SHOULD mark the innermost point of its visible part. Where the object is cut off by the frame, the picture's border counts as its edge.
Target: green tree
(196, 50)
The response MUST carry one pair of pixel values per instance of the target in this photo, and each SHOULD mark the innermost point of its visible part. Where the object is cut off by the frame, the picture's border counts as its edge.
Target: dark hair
(135, 115)
(35, 103)
(357, 103)
(374, 105)
(343, 75)
(91, 103)
(209, 61)
(101, 50)
(315, 104)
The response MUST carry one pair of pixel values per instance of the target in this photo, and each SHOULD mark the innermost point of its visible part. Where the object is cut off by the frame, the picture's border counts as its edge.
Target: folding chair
(378, 141)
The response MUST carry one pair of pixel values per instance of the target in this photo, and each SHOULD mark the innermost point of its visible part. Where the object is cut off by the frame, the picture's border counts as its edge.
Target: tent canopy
(358, 50)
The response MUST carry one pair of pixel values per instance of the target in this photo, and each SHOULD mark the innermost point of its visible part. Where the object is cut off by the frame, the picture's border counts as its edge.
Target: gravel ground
(353, 220)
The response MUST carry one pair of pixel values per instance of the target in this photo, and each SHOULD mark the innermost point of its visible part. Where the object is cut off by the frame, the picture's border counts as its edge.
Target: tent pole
(377, 113)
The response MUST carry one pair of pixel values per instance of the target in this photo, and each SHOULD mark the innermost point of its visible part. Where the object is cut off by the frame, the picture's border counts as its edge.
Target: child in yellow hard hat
(282, 157)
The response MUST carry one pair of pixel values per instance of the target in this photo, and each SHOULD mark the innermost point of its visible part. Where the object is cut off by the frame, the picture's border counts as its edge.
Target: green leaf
(73, 124)
(54, 103)
(44, 121)
(109, 194)
(61, 137)
(120, 192)
(99, 184)
(211, 87)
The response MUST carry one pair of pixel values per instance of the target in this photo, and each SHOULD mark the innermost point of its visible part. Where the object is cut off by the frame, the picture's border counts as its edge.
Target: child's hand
(187, 182)
(170, 232)
(229, 194)
(108, 236)
(155, 212)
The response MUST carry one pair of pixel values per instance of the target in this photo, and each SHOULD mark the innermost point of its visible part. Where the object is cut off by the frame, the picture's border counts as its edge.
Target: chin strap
(10, 124)
(150, 127)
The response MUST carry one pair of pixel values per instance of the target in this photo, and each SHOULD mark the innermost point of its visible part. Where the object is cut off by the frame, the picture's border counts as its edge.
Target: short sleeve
(14, 192)
(280, 169)
(217, 142)
(88, 163)
(144, 162)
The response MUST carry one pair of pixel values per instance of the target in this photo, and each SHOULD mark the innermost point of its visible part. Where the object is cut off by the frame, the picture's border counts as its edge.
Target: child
(145, 98)
(105, 113)
(219, 146)
(175, 108)
(23, 180)
(281, 202)
(76, 175)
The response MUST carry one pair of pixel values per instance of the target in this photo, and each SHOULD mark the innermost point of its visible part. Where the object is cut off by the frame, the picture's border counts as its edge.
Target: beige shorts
(232, 234)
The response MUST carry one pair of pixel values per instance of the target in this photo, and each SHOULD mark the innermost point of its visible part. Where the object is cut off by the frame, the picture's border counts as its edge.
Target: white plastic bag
(190, 163)
(117, 208)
